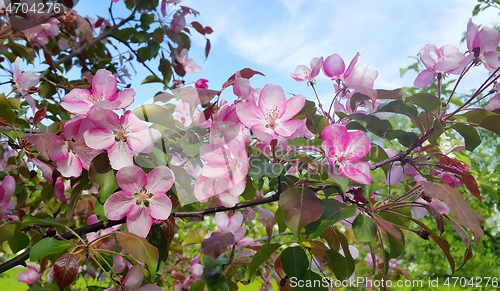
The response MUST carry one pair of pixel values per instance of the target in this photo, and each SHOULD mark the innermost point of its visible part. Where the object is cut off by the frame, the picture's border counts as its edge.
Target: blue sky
(274, 36)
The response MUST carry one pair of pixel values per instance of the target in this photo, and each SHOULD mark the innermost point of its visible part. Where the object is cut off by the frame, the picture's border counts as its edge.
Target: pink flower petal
(250, 114)
(118, 205)
(222, 221)
(139, 221)
(394, 176)
(103, 85)
(143, 141)
(159, 180)
(120, 155)
(487, 39)
(134, 277)
(424, 78)
(272, 98)
(98, 138)
(70, 167)
(104, 118)
(293, 106)
(358, 145)
(131, 179)
(472, 30)
(335, 139)
(160, 206)
(289, 127)
(358, 171)
(333, 66)
(125, 98)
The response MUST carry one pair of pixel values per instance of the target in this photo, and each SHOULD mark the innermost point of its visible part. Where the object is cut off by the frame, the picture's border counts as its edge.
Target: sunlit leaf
(300, 207)
(139, 248)
(365, 229)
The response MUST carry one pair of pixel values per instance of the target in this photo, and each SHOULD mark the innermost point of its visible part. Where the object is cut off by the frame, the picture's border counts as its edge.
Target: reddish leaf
(471, 184)
(99, 22)
(207, 48)
(40, 115)
(217, 244)
(208, 30)
(437, 216)
(389, 227)
(300, 207)
(207, 113)
(465, 239)
(445, 247)
(463, 213)
(49, 60)
(84, 26)
(244, 73)
(266, 216)
(199, 28)
(248, 214)
(168, 227)
(279, 268)
(65, 270)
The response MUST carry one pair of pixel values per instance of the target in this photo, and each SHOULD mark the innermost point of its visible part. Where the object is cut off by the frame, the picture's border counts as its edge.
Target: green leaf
(396, 94)
(157, 238)
(396, 247)
(194, 236)
(6, 113)
(19, 242)
(46, 90)
(338, 264)
(140, 249)
(190, 149)
(146, 20)
(100, 172)
(47, 246)
(491, 123)
(378, 126)
(166, 70)
(260, 166)
(406, 139)
(364, 228)
(476, 116)
(155, 114)
(216, 281)
(186, 41)
(143, 55)
(400, 107)
(262, 255)
(198, 285)
(294, 261)
(377, 154)
(469, 133)
(427, 101)
(347, 252)
(300, 207)
(152, 79)
(438, 130)
(357, 97)
(7, 231)
(333, 212)
(280, 220)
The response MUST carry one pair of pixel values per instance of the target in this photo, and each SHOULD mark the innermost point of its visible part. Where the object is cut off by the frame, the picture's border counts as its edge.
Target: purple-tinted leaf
(217, 244)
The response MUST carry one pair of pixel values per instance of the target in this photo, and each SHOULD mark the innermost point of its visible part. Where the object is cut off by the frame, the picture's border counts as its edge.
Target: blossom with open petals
(120, 136)
(272, 116)
(188, 64)
(133, 281)
(79, 101)
(142, 198)
(482, 45)
(7, 188)
(347, 148)
(303, 73)
(445, 60)
(23, 82)
(31, 276)
(233, 225)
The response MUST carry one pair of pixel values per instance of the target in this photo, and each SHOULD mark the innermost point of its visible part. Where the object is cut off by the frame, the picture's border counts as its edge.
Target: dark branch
(20, 260)
(81, 49)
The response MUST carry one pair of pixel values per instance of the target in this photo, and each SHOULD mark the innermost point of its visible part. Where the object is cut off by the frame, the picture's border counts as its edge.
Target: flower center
(121, 134)
(142, 197)
(271, 116)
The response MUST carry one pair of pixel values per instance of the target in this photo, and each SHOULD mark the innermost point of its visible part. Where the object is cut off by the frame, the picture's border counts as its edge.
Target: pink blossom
(272, 116)
(133, 281)
(244, 90)
(183, 113)
(80, 101)
(188, 64)
(233, 225)
(482, 45)
(446, 60)
(142, 198)
(120, 136)
(395, 174)
(60, 188)
(359, 78)
(227, 130)
(40, 33)
(106, 243)
(420, 212)
(493, 103)
(303, 73)
(23, 82)
(224, 174)
(347, 148)
(7, 188)
(74, 154)
(196, 267)
(201, 84)
(178, 22)
(29, 277)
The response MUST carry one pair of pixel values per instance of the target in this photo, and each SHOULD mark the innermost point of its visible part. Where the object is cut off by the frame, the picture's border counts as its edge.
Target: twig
(81, 49)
